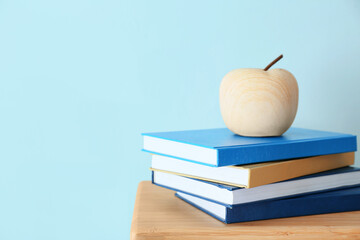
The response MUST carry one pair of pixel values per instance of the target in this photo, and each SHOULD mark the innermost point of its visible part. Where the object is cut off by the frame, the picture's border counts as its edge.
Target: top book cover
(220, 147)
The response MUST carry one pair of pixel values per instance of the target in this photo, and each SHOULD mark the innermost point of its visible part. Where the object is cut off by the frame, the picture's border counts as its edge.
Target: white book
(228, 195)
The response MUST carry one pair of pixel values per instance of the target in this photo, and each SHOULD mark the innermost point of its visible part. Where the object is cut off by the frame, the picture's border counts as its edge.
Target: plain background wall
(80, 80)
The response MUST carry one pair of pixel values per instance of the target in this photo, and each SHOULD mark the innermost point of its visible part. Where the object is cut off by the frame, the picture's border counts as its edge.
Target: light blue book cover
(220, 147)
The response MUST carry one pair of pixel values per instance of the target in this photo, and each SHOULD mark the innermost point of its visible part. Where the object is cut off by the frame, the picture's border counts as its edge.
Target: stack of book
(236, 179)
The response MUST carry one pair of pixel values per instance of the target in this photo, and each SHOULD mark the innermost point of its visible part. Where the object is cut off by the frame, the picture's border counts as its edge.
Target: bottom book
(327, 202)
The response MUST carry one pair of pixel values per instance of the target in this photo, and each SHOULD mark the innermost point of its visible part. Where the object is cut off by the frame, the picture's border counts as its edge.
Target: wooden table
(158, 214)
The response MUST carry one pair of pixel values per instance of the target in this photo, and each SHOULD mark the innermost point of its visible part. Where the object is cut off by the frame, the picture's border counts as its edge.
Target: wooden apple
(259, 102)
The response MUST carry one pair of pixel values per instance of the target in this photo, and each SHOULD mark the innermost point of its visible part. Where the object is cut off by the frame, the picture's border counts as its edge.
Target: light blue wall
(80, 80)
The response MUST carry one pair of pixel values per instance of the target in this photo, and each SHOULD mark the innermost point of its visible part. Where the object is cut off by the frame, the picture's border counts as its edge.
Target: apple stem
(273, 62)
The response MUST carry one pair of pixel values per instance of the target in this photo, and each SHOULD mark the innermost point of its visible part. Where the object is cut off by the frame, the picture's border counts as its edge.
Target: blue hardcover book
(320, 203)
(221, 147)
(226, 195)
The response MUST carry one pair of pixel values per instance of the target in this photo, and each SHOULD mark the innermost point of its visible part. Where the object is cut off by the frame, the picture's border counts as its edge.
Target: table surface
(158, 214)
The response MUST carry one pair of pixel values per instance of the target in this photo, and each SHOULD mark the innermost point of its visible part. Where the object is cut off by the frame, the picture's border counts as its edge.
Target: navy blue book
(226, 195)
(327, 202)
(220, 147)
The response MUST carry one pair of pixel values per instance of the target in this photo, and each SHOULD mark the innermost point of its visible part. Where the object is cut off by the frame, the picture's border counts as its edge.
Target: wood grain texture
(158, 214)
(258, 103)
